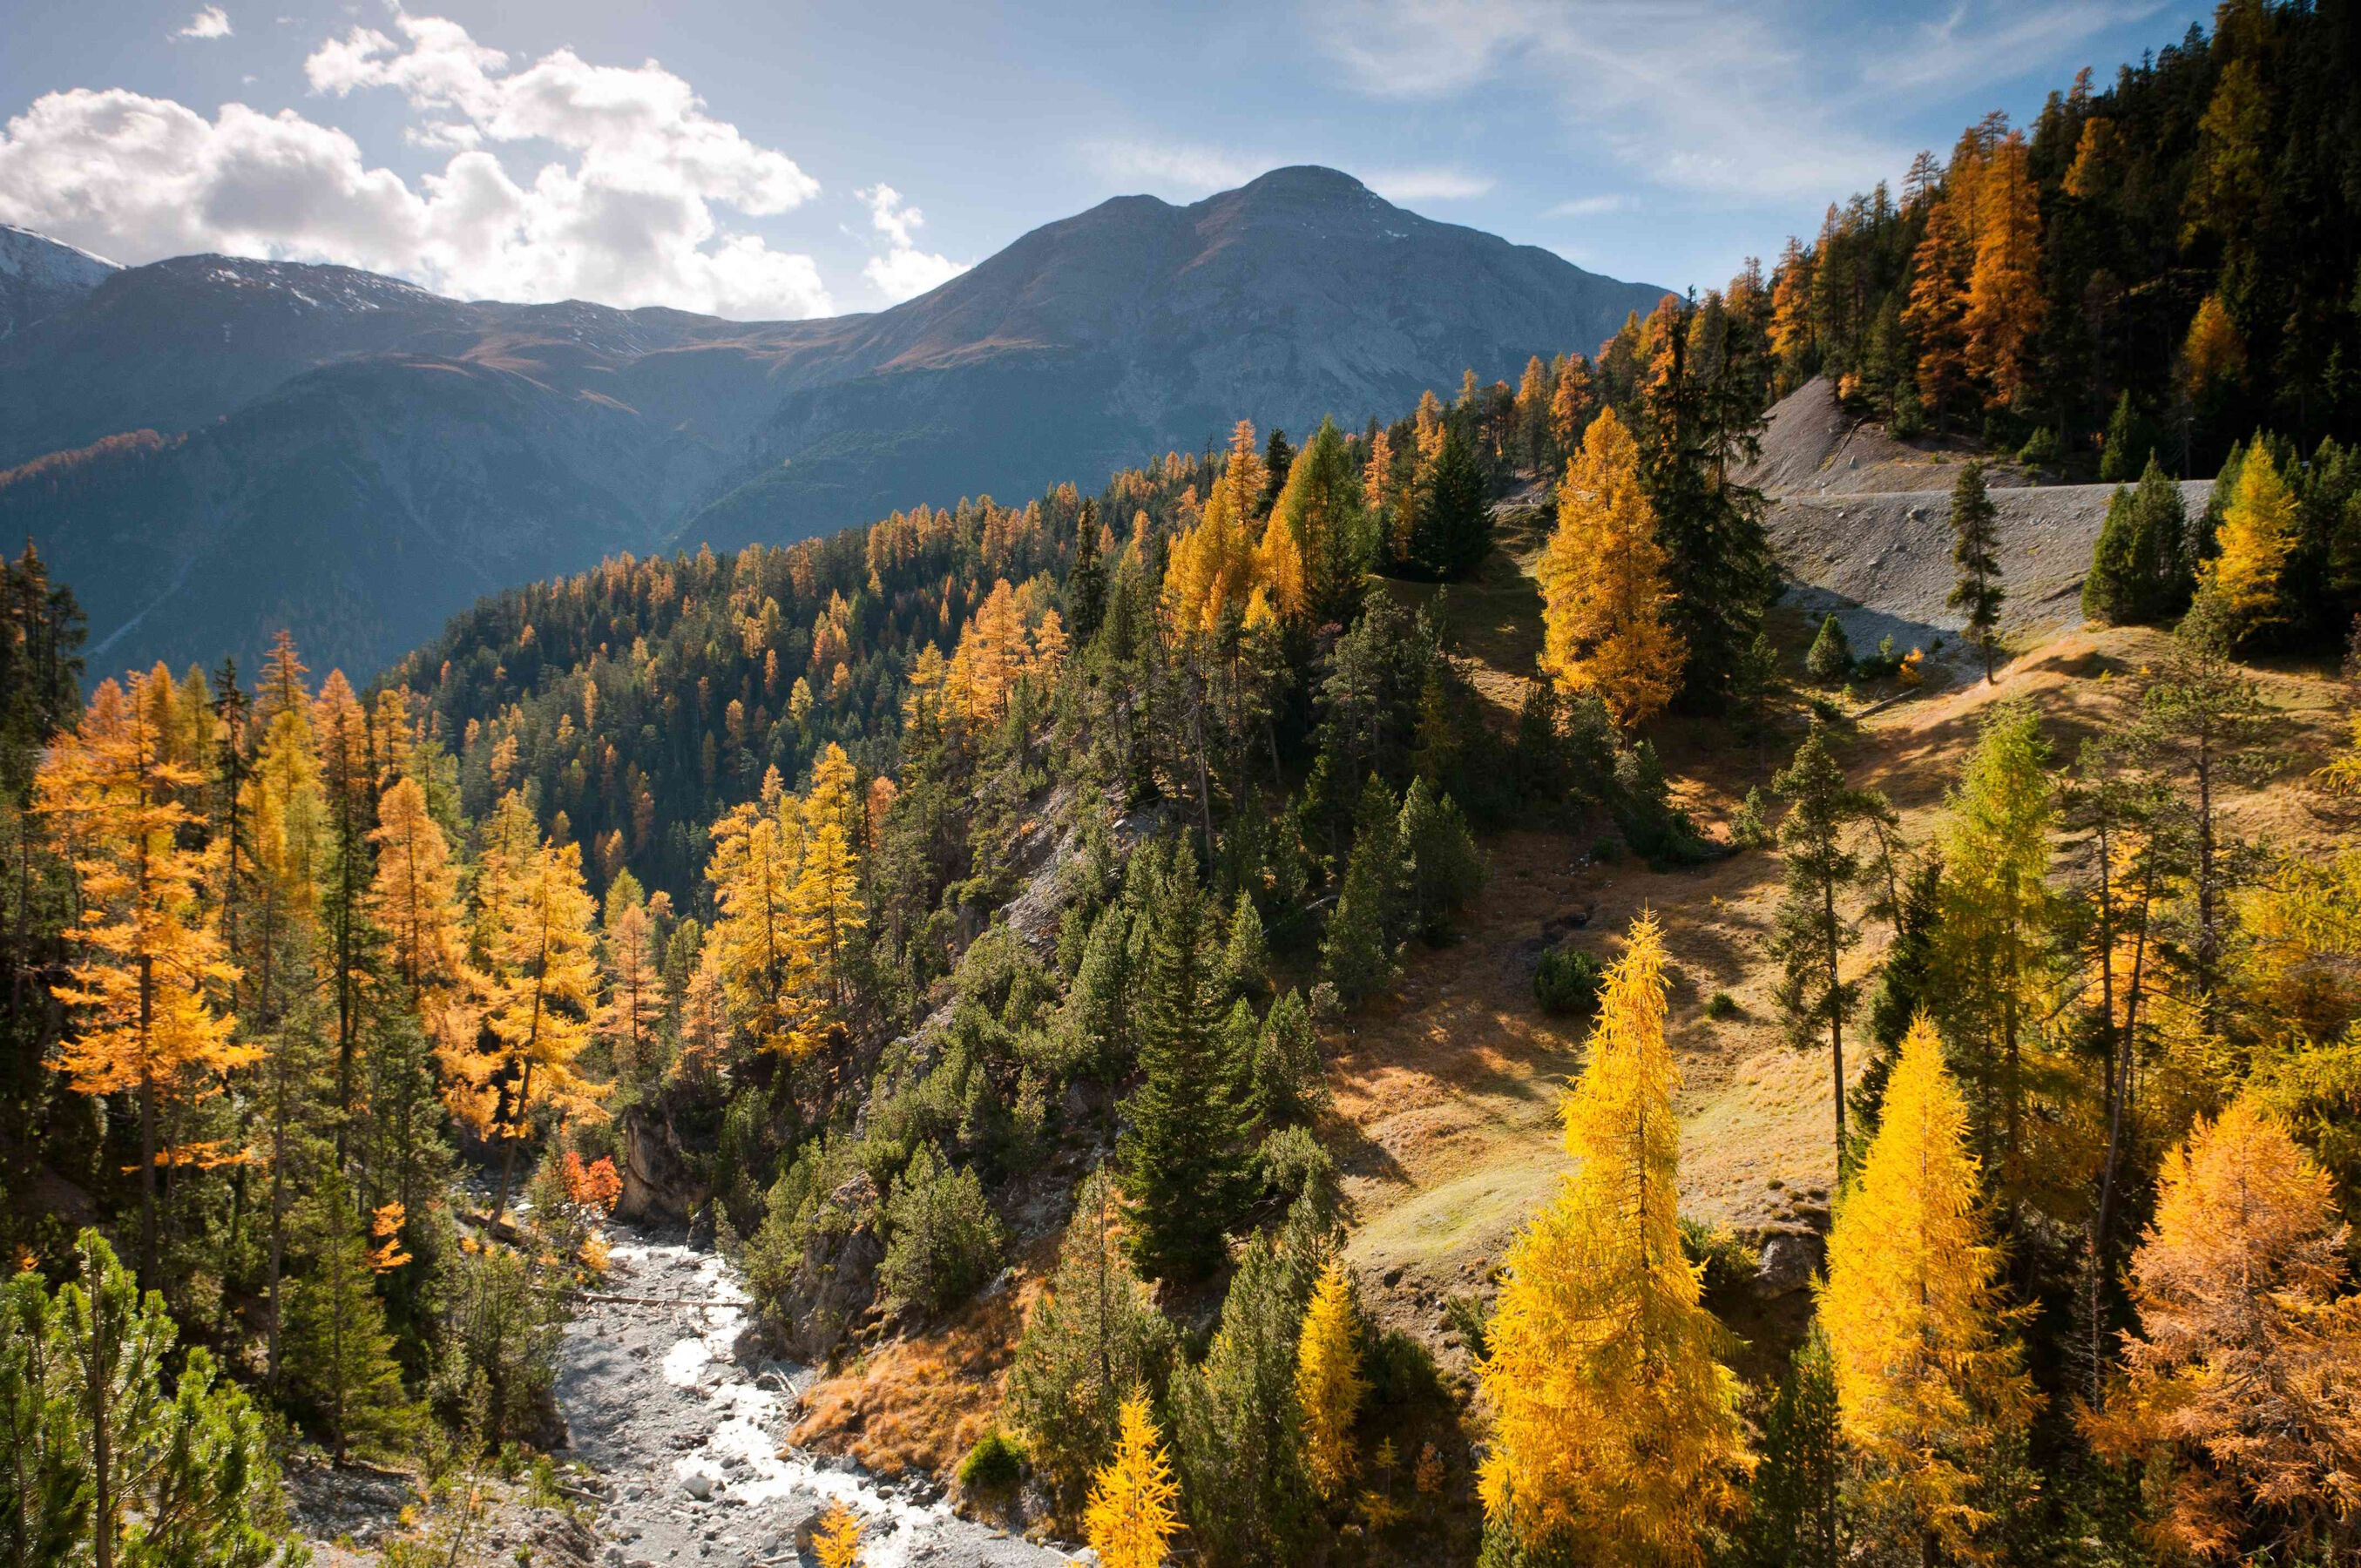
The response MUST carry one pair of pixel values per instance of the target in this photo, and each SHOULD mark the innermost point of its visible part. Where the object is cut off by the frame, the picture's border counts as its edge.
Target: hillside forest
(861, 902)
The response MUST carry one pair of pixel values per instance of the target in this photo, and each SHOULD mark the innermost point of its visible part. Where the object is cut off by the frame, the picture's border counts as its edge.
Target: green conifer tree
(1184, 1156)
(338, 1362)
(1445, 868)
(1092, 1337)
(1813, 934)
(1797, 1519)
(1086, 580)
(1829, 659)
(1238, 1430)
(1357, 954)
(1247, 955)
(1288, 1082)
(1454, 518)
(1975, 551)
(2130, 444)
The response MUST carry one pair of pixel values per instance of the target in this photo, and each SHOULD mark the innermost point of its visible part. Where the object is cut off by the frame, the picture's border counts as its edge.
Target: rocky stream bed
(689, 1435)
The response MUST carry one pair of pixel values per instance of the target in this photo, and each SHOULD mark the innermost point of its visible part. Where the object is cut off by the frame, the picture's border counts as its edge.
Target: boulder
(1789, 1260)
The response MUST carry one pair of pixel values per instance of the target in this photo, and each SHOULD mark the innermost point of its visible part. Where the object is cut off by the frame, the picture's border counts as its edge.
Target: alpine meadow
(1256, 880)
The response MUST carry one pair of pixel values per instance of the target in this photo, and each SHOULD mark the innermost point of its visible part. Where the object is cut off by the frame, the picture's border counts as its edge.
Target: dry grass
(921, 1401)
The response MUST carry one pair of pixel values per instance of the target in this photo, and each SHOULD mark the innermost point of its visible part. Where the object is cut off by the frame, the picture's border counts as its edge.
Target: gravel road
(690, 1438)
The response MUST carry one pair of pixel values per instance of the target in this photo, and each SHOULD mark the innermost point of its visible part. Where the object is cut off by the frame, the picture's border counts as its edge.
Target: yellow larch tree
(1617, 1434)
(2005, 299)
(995, 651)
(1427, 423)
(757, 858)
(287, 811)
(414, 897)
(1573, 404)
(2213, 354)
(541, 1002)
(1328, 1381)
(828, 889)
(1940, 268)
(2242, 1387)
(635, 999)
(152, 968)
(1131, 1514)
(1378, 473)
(1603, 582)
(1248, 475)
(2258, 534)
(704, 1019)
(1930, 1388)
(1213, 567)
(837, 1543)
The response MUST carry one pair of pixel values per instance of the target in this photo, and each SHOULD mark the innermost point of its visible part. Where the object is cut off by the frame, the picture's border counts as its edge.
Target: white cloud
(213, 22)
(1429, 184)
(903, 271)
(627, 217)
(1696, 94)
(1175, 165)
(1588, 207)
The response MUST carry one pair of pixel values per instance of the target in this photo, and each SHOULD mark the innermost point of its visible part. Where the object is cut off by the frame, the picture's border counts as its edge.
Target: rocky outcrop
(658, 1183)
(835, 1286)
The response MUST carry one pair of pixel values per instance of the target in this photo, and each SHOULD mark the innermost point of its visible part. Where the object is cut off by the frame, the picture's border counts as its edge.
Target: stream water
(691, 1439)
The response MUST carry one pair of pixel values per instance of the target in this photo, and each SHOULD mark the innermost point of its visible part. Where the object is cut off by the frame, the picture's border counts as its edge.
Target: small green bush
(1567, 982)
(1831, 658)
(994, 1464)
(1749, 828)
(1466, 1314)
(943, 1241)
(1721, 1005)
(1726, 1261)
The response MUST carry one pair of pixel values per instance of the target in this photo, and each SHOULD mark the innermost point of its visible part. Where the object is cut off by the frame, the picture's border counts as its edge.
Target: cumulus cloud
(626, 217)
(1429, 184)
(213, 22)
(903, 271)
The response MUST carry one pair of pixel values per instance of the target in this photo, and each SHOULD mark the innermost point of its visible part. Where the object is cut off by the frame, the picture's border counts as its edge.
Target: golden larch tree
(1131, 1513)
(837, 1543)
(635, 998)
(2005, 299)
(414, 897)
(2242, 1386)
(1929, 1383)
(2258, 534)
(1603, 582)
(1328, 1381)
(828, 889)
(1617, 1434)
(756, 862)
(1211, 568)
(541, 1003)
(2213, 354)
(152, 970)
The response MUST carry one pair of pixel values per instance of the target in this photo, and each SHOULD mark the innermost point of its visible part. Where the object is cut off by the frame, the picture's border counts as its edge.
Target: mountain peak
(1299, 181)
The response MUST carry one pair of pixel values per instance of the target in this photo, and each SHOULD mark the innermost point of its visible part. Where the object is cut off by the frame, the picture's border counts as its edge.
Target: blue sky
(759, 158)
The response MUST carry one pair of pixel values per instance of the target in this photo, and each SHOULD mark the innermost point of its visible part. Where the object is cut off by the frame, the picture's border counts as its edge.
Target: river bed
(691, 1440)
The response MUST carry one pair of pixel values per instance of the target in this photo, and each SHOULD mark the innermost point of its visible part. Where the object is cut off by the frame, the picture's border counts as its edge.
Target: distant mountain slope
(40, 277)
(359, 458)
